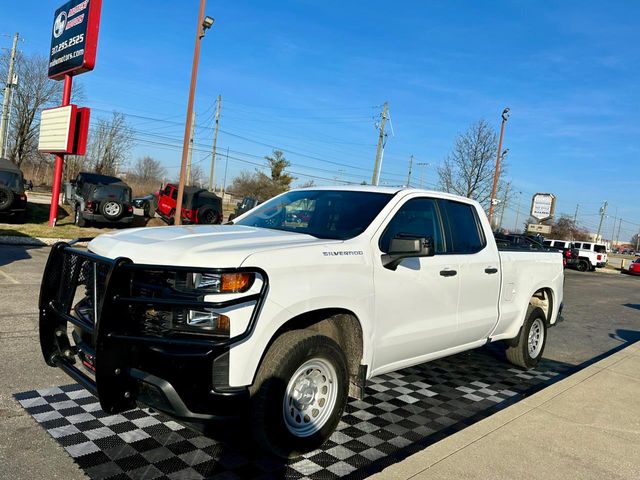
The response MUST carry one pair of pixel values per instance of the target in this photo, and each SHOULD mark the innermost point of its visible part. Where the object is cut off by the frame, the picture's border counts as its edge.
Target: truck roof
(390, 190)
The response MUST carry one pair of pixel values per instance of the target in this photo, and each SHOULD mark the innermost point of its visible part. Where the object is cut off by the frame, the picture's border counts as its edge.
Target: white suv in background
(597, 250)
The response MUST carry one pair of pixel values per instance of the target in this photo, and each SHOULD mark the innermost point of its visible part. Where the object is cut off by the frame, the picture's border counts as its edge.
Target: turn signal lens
(236, 282)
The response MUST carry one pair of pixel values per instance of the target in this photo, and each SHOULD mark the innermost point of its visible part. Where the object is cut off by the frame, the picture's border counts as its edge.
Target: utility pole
(603, 211)
(224, 182)
(496, 174)
(504, 204)
(380, 150)
(613, 225)
(191, 135)
(410, 167)
(515, 226)
(575, 215)
(4, 124)
(422, 164)
(618, 234)
(212, 183)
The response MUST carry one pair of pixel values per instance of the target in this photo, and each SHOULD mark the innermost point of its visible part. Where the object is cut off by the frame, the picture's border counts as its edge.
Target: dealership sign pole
(74, 43)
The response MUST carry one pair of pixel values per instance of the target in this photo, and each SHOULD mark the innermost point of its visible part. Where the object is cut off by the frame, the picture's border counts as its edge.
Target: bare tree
(564, 228)
(33, 92)
(110, 144)
(468, 169)
(148, 169)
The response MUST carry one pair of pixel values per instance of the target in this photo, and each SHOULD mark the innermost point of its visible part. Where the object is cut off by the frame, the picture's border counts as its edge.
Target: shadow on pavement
(14, 253)
(633, 305)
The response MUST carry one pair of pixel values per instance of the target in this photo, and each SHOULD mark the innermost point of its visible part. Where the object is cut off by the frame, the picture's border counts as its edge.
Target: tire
(78, 220)
(528, 354)
(111, 210)
(582, 266)
(207, 216)
(281, 425)
(6, 198)
(171, 220)
(146, 211)
(231, 217)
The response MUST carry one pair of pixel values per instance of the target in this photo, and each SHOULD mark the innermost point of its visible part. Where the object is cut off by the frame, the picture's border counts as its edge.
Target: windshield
(111, 193)
(333, 214)
(11, 180)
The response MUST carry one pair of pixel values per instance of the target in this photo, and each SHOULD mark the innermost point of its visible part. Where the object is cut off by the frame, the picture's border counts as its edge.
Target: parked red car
(199, 206)
(634, 267)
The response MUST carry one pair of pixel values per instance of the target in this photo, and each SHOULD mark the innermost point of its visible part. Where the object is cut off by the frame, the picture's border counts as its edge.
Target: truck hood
(215, 246)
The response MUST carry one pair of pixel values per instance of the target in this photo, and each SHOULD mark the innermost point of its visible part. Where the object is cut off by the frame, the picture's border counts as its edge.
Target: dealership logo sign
(60, 24)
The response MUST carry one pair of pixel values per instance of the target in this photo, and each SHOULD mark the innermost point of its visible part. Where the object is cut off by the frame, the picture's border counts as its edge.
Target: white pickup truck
(291, 308)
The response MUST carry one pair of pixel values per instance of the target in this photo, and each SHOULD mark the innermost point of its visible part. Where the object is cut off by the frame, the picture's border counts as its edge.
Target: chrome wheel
(310, 397)
(112, 209)
(536, 338)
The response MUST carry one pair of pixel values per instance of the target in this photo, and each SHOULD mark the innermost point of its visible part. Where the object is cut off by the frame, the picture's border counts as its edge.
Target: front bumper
(113, 354)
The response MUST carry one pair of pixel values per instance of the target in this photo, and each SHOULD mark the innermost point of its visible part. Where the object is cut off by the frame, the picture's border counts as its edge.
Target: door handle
(448, 273)
(491, 270)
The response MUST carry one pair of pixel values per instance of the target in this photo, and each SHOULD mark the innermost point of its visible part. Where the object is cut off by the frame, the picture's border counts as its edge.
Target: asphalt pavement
(602, 314)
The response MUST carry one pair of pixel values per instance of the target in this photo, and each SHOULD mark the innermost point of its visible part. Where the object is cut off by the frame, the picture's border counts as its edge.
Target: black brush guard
(182, 375)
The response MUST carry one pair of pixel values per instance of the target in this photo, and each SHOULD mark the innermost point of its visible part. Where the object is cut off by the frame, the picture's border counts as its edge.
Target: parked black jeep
(99, 198)
(245, 205)
(13, 200)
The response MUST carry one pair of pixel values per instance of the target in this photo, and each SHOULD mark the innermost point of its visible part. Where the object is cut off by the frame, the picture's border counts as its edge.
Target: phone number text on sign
(77, 40)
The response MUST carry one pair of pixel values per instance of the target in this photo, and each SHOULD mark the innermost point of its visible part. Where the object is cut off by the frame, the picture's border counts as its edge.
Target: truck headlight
(208, 320)
(222, 282)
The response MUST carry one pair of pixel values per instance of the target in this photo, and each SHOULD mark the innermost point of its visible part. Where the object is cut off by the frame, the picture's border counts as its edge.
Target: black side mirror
(407, 246)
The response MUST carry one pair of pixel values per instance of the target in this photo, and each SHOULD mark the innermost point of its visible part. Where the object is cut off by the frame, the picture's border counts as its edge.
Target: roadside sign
(543, 206)
(57, 129)
(74, 38)
(539, 228)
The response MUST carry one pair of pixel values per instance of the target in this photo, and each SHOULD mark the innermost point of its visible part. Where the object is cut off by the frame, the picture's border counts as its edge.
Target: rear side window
(418, 217)
(586, 246)
(600, 249)
(465, 233)
(547, 243)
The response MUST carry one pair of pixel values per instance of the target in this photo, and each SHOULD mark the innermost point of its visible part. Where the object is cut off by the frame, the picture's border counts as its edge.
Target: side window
(167, 190)
(174, 193)
(464, 228)
(418, 217)
(586, 246)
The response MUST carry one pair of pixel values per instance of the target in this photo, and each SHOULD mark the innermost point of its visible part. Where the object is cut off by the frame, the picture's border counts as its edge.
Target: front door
(416, 304)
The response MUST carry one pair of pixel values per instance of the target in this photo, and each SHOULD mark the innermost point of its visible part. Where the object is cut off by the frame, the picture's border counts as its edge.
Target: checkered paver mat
(402, 413)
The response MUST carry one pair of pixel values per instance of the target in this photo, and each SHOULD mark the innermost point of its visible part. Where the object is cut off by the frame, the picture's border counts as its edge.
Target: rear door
(478, 268)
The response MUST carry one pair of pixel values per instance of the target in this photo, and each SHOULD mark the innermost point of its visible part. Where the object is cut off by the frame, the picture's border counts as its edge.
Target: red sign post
(74, 43)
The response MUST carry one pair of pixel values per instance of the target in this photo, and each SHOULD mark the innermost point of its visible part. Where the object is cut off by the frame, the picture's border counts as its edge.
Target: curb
(32, 241)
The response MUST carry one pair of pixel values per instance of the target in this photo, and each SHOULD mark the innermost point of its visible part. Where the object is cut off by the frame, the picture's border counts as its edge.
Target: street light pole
(203, 25)
(496, 175)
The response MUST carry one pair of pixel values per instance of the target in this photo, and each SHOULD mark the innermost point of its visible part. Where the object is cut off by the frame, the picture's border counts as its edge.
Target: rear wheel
(6, 198)
(207, 216)
(583, 266)
(299, 393)
(527, 350)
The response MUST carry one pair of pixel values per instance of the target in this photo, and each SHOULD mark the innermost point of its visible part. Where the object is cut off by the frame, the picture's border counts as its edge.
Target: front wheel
(526, 351)
(299, 394)
(79, 221)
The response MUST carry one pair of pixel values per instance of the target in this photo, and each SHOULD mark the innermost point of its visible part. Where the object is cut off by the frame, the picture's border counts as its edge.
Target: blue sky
(310, 78)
